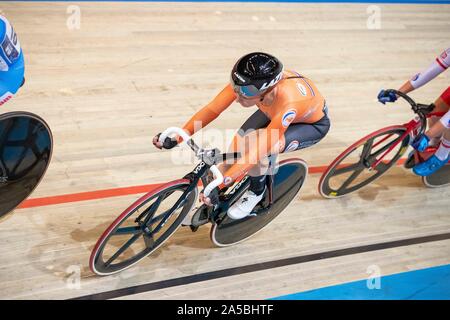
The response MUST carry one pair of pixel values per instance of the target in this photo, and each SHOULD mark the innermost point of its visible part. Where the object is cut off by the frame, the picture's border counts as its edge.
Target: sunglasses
(249, 91)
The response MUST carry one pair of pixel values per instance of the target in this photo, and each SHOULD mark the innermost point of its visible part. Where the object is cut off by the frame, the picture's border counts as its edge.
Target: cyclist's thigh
(443, 102)
(303, 135)
(256, 121)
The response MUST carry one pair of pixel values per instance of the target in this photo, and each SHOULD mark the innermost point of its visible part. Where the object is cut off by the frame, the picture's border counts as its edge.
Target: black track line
(259, 267)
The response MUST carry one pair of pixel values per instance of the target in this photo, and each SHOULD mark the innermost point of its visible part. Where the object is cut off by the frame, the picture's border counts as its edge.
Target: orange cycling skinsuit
(298, 102)
(291, 115)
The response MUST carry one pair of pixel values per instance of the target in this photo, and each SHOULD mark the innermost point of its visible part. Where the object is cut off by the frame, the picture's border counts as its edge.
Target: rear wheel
(26, 146)
(438, 179)
(142, 228)
(288, 180)
(351, 170)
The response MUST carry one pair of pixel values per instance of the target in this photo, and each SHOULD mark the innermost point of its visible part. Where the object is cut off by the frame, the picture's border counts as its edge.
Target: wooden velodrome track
(134, 69)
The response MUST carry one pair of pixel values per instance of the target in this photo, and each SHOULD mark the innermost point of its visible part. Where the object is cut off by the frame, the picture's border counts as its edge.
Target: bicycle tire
(98, 265)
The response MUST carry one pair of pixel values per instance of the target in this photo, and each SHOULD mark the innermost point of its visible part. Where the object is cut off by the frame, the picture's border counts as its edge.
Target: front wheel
(352, 169)
(143, 227)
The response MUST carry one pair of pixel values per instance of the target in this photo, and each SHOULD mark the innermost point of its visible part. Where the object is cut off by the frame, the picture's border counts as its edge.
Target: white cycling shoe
(244, 206)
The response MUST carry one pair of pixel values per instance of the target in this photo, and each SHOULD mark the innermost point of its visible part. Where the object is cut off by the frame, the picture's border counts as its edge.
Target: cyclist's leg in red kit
(445, 97)
(442, 105)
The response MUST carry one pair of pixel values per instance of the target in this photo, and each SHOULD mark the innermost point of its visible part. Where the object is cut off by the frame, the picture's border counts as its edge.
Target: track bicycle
(373, 155)
(151, 220)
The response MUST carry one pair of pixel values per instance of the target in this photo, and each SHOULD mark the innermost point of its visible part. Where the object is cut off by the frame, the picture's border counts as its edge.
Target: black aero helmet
(255, 73)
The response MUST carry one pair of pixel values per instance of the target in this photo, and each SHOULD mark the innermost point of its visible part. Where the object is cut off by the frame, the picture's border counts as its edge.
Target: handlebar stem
(218, 177)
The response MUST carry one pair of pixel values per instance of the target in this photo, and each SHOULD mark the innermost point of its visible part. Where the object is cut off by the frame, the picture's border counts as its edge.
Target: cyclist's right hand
(169, 143)
(212, 199)
(386, 96)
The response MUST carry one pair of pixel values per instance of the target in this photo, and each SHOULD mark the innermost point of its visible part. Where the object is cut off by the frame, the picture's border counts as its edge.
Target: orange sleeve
(264, 144)
(211, 111)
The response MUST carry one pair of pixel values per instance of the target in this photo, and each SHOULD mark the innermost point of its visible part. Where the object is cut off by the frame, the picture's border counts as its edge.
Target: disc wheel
(26, 146)
(288, 180)
(438, 179)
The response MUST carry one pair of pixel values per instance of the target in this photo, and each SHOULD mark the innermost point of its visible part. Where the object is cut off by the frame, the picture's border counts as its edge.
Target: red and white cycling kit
(438, 66)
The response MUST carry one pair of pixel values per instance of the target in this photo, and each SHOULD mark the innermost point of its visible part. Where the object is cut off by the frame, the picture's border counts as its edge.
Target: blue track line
(266, 1)
(426, 284)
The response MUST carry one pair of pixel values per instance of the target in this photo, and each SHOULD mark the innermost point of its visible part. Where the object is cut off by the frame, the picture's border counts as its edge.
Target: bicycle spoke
(127, 230)
(148, 237)
(153, 208)
(381, 150)
(165, 195)
(348, 168)
(382, 166)
(123, 248)
(158, 218)
(366, 149)
(351, 179)
(168, 213)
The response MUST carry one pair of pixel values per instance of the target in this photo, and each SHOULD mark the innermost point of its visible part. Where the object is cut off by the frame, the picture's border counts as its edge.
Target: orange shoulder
(302, 95)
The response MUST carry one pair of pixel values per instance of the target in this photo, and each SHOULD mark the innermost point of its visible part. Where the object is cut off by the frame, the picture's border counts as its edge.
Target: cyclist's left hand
(386, 96)
(420, 143)
(169, 143)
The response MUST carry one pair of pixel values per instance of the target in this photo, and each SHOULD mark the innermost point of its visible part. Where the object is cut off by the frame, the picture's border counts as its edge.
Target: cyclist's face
(247, 102)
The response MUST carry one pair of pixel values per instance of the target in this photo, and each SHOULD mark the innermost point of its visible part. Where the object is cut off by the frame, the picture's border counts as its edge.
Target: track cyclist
(291, 115)
(437, 127)
(11, 62)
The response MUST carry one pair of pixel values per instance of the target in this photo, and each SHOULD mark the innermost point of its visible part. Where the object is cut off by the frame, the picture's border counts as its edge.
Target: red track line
(83, 196)
(116, 192)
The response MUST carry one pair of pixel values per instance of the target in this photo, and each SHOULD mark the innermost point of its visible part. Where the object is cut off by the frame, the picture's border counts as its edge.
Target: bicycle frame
(411, 127)
(208, 163)
(218, 212)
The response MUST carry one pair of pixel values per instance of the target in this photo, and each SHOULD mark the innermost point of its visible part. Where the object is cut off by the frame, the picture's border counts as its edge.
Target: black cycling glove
(168, 143)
